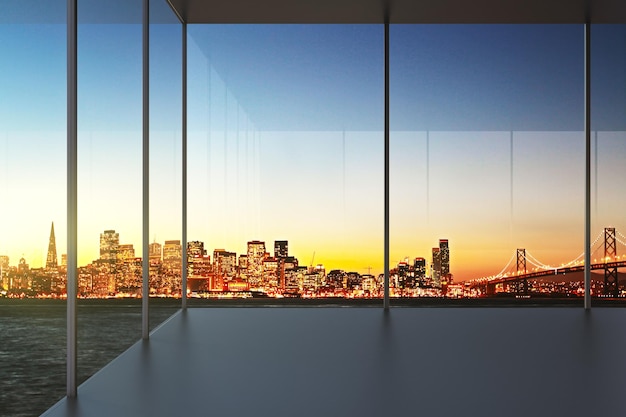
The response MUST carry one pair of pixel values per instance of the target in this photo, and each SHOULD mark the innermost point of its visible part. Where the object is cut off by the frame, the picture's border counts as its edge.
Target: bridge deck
(365, 362)
(549, 272)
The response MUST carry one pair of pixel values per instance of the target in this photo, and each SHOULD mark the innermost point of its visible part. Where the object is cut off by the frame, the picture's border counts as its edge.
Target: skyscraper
(271, 272)
(419, 269)
(436, 267)
(281, 249)
(155, 253)
(109, 244)
(172, 254)
(109, 266)
(196, 258)
(4, 276)
(4, 262)
(444, 251)
(51, 259)
(256, 254)
(225, 262)
(195, 249)
(281, 254)
(243, 262)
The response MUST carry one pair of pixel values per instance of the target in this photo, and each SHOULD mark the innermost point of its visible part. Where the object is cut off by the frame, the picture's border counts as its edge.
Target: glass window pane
(165, 160)
(286, 160)
(109, 181)
(487, 160)
(608, 125)
(32, 206)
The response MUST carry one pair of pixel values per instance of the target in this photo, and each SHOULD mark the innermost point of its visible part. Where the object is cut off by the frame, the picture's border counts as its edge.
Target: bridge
(518, 279)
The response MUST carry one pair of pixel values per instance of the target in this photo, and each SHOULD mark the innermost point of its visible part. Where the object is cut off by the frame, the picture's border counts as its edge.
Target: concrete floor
(335, 361)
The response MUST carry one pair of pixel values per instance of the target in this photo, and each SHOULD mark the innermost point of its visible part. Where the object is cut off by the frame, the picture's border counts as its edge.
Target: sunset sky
(286, 139)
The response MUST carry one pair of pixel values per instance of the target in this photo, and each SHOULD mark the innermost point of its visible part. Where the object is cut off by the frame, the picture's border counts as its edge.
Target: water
(33, 346)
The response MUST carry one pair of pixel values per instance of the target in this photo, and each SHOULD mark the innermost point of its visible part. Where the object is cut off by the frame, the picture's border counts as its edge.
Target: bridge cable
(537, 263)
(500, 274)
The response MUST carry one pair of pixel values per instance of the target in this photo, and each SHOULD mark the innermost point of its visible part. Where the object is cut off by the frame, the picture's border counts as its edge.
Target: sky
(286, 139)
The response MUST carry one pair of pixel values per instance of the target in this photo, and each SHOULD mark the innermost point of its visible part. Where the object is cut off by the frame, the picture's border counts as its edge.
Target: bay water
(33, 345)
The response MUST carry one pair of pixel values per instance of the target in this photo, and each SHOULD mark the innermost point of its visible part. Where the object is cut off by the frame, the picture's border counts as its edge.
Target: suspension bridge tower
(610, 270)
(522, 285)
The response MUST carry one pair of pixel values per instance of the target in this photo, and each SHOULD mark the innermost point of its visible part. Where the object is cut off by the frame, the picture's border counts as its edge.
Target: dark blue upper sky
(330, 77)
(443, 77)
(300, 77)
(486, 77)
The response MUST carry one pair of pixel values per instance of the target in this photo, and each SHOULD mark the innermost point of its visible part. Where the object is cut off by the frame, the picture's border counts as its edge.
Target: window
(32, 205)
(487, 159)
(285, 159)
(109, 180)
(608, 101)
(165, 162)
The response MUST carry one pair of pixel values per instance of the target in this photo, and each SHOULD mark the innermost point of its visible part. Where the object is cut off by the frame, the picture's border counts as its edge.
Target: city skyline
(117, 272)
(110, 238)
(438, 265)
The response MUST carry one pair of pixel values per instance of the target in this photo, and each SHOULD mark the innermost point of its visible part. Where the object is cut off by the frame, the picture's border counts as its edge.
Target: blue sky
(317, 77)
(500, 77)
(286, 137)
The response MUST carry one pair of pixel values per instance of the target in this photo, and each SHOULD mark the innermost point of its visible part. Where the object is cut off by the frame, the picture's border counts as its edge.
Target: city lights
(258, 273)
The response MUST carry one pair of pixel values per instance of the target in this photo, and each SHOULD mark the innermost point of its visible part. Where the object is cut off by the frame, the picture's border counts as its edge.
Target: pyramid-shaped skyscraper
(51, 260)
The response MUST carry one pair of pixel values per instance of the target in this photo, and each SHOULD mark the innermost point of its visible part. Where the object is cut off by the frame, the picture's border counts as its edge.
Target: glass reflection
(109, 181)
(285, 160)
(32, 206)
(487, 160)
(165, 251)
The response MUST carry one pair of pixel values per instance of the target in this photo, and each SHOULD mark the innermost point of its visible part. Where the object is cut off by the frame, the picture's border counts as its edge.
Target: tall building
(51, 259)
(419, 269)
(281, 254)
(172, 265)
(444, 250)
(172, 253)
(22, 266)
(105, 283)
(243, 262)
(436, 267)
(293, 277)
(4, 272)
(155, 253)
(224, 262)
(196, 258)
(335, 279)
(403, 279)
(281, 249)
(109, 244)
(20, 282)
(195, 249)
(4, 262)
(271, 272)
(256, 254)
